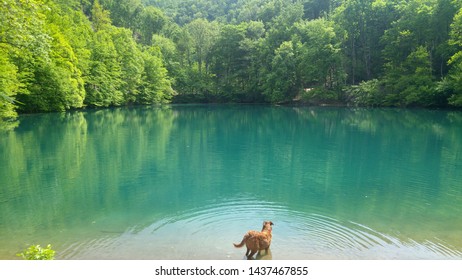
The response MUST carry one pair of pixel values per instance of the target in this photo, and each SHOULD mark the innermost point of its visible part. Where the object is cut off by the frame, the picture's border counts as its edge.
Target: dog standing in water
(257, 240)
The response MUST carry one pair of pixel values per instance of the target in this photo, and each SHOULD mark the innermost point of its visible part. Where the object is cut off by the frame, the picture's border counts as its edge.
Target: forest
(58, 55)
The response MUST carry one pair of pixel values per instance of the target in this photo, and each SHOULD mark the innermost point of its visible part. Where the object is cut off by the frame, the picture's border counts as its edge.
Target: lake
(186, 181)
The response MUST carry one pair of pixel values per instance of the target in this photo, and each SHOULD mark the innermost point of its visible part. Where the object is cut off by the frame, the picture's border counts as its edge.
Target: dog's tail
(242, 242)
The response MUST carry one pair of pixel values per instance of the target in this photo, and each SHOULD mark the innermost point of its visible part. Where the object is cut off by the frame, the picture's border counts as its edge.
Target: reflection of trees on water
(82, 168)
(71, 168)
(414, 155)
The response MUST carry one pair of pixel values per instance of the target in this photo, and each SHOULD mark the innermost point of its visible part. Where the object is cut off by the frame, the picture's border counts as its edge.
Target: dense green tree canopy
(57, 55)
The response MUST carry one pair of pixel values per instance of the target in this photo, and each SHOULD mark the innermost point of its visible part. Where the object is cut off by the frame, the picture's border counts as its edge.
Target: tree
(455, 73)
(442, 18)
(169, 52)
(411, 82)
(194, 44)
(9, 86)
(46, 63)
(203, 35)
(363, 22)
(104, 80)
(319, 55)
(9, 43)
(155, 86)
(230, 60)
(131, 64)
(420, 33)
(58, 84)
(24, 44)
(282, 78)
(100, 17)
(314, 9)
(57, 55)
(124, 13)
(151, 22)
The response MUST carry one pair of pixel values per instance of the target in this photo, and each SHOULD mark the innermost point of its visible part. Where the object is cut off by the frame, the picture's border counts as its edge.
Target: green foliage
(320, 56)
(410, 82)
(124, 13)
(152, 21)
(320, 95)
(454, 81)
(9, 86)
(203, 35)
(100, 17)
(24, 43)
(57, 55)
(367, 93)
(155, 87)
(454, 78)
(53, 58)
(456, 29)
(362, 24)
(191, 65)
(282, 78)
(104, 79)
(36, 252)
(233, 61)
(416, 51)
(131, 64)
(58, 83)
(170, 53)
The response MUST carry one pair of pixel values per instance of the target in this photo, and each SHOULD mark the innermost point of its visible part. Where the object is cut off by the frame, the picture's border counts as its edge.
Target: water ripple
(208, 232)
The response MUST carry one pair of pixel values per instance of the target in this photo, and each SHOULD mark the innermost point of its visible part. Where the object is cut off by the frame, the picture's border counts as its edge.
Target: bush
(320, 95)
(367, 93)
(35, 252)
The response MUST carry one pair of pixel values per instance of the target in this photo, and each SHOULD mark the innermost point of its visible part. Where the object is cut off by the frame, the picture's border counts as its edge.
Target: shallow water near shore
(185, 182)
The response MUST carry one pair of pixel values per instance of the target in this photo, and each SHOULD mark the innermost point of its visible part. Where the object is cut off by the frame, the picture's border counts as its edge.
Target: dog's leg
(247, 253)
(249, 257)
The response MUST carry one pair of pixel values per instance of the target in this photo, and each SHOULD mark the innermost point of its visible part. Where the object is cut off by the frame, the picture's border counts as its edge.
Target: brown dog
(257, 240)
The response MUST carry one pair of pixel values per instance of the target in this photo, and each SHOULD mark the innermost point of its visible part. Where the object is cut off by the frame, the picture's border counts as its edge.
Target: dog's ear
(271, 223)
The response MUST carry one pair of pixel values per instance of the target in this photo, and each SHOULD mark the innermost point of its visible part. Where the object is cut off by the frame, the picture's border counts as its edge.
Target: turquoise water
(185, 182)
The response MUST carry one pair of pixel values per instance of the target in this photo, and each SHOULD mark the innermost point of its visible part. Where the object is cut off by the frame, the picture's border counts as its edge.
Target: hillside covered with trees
(58, 55)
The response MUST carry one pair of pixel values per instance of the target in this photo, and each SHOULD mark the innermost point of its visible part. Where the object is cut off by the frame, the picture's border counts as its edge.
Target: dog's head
(267, 225)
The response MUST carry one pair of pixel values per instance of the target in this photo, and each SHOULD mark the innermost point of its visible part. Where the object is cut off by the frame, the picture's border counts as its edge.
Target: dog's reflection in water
(255, 241)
